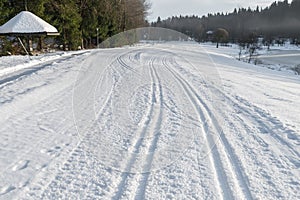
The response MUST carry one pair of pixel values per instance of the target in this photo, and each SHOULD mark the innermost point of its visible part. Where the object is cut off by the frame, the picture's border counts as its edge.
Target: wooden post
(30, 45)
(41, 44)
(24, 48)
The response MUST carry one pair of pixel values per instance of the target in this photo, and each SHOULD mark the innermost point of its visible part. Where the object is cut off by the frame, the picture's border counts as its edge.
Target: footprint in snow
(7, 189)
(20, 165)
(292, 136)
(54, 152)
(23, 184)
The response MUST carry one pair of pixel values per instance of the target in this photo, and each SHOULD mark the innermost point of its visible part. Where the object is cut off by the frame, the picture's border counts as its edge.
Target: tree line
(79, 21)
(279, 20)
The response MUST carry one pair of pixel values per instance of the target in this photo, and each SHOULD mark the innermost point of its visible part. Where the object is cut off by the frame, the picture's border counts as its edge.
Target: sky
(168, 8)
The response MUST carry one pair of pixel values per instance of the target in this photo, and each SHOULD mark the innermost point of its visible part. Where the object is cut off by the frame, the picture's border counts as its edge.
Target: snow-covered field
(164, 121)
(280, 58)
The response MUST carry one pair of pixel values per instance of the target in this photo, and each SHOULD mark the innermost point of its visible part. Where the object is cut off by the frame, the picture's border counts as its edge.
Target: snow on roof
(27, 23)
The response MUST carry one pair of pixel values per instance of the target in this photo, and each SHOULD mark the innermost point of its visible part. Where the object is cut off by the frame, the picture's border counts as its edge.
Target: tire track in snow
(264, 130)
(123, 63)
(268, 135)
(250, 110)
(47, 175)
(205, 115)
(108, 71)
(150, 123)
(263, 117)
(48, 180)
(155, 130)
(121, 187)
(116, 71)
(232, 158)
(222, 184)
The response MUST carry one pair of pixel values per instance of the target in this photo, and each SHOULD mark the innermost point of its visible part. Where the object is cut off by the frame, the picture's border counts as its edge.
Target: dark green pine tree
(10, 8)
(88, 25)
(65, 16)
(5, 11)
(78, 20)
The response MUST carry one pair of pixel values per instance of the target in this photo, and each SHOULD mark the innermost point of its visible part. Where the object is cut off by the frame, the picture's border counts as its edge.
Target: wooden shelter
(27, 24)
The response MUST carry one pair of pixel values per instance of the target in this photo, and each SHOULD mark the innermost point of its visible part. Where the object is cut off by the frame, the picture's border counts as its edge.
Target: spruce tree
(64, 15)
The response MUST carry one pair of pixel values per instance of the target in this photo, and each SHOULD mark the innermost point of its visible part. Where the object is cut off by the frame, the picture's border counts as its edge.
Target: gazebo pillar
(18, 26)
(40, 43)
(30, 48)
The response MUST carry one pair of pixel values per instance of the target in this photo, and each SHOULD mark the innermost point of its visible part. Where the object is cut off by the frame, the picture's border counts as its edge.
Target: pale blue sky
(167, 8)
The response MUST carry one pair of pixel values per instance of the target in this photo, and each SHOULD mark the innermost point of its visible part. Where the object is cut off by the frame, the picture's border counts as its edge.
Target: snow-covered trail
(168, 121)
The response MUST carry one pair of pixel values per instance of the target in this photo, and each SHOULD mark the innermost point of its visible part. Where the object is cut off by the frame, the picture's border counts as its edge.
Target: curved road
(153, 122)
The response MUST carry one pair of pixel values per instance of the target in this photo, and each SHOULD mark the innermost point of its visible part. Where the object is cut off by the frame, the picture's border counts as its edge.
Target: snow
(27, 22)
(9, 65)
(280, 58)
(152, 121)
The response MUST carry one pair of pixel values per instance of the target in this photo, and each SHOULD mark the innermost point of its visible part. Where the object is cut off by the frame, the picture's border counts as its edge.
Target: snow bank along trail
(168, 121)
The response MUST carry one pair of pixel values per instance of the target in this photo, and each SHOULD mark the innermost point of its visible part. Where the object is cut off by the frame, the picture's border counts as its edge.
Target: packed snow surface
(163, 121)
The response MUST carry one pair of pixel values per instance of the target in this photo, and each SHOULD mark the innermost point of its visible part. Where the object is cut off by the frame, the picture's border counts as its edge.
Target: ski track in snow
(145, 101)
(151, 121)
(215, 155)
